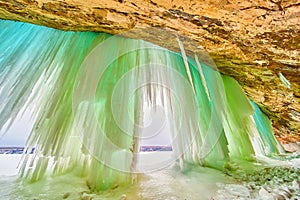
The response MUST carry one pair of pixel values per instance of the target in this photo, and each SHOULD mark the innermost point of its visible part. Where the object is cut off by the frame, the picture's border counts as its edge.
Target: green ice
(88, 92)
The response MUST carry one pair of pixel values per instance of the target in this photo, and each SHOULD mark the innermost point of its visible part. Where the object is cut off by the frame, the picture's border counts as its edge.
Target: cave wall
(252, 40)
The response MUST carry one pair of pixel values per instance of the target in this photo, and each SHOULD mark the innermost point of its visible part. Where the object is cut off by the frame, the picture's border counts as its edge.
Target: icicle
(269, 143)
(286, 83)
(202, 75)
(88, 93)
(186, 64)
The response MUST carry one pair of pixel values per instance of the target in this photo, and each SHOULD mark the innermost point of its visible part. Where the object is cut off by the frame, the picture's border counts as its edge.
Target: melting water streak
(87, 93)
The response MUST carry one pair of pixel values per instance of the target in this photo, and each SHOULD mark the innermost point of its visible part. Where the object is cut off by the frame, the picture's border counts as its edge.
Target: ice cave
(86, 95)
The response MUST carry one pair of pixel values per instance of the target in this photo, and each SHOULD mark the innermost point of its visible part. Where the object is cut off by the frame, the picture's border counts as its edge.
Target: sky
(18, 133)
(155, 133)
(156, 130)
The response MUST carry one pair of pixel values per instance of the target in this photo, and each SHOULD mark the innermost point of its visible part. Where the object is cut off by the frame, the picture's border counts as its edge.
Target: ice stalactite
(88, 91)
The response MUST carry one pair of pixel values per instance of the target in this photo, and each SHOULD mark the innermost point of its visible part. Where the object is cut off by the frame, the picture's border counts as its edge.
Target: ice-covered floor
(166, 183)
(194, 183)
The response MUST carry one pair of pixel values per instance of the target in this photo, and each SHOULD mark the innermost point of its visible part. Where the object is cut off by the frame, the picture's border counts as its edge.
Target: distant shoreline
(20, 150)
(14, 150)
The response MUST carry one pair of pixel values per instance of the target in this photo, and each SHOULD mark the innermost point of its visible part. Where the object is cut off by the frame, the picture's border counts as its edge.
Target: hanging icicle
(88, 92)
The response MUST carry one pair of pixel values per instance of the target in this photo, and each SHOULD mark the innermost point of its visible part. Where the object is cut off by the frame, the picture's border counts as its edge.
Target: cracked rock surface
(254, 41)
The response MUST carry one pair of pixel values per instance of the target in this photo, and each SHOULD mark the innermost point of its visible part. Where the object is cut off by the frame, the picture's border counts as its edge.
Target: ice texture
(87, 93)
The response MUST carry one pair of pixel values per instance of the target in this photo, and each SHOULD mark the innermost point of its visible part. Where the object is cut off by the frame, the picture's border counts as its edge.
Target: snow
(9, 163)
(166, 182)
(162, 179)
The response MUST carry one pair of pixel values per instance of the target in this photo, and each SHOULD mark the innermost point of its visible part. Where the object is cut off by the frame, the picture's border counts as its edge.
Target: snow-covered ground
(9, 163)
(194, 183)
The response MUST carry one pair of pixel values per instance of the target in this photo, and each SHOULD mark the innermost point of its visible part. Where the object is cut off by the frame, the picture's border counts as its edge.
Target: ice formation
(87, 93)
(286, 83)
